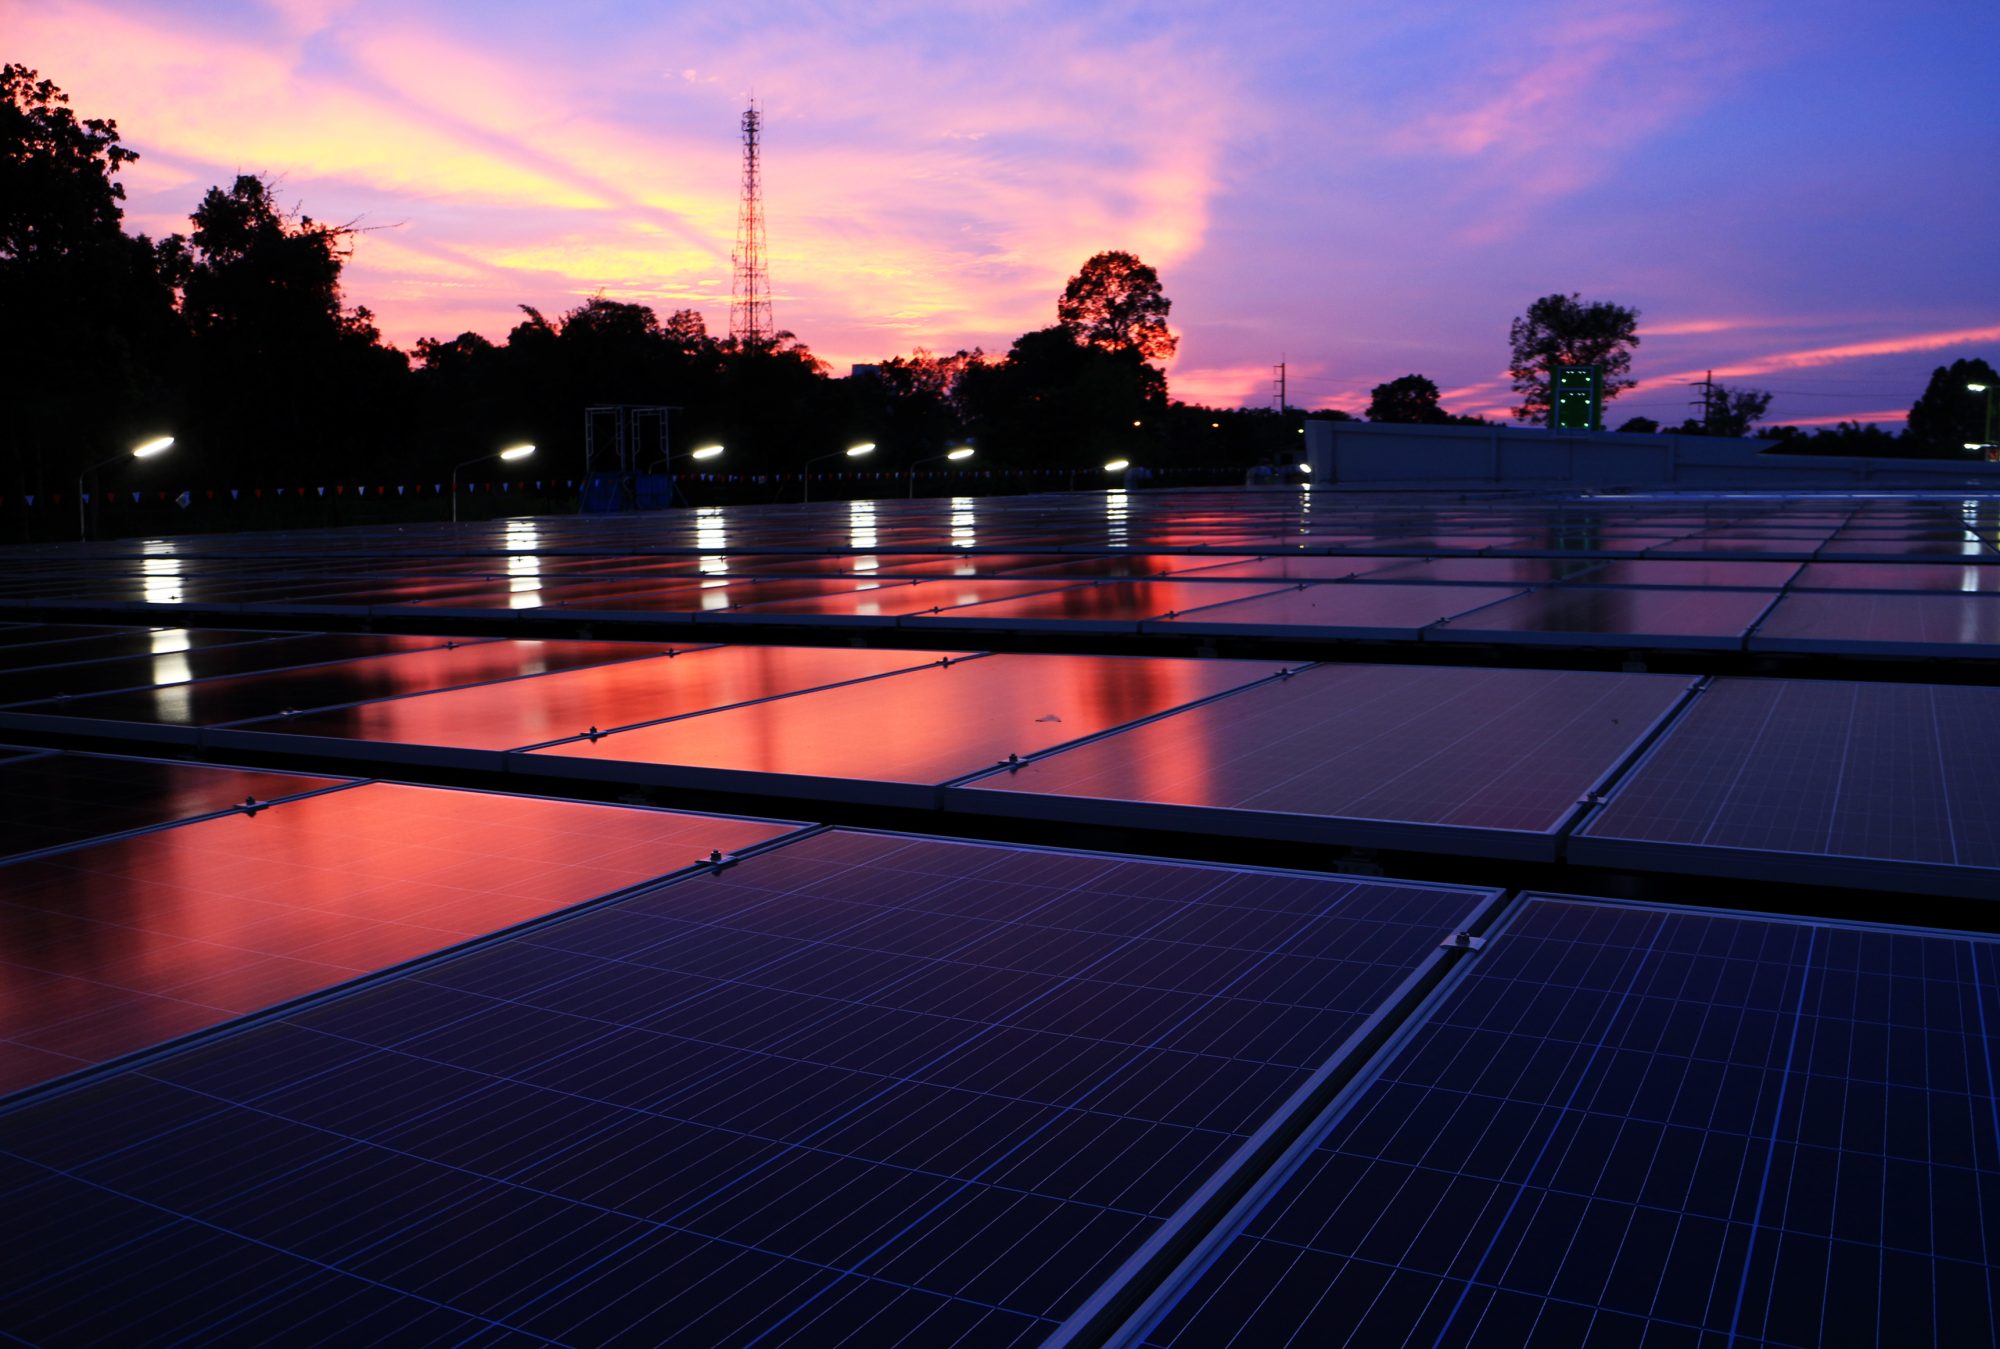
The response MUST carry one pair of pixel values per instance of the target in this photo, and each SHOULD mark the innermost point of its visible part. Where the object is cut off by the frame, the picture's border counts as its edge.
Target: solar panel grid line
(1241, 975)
(1130, 1302)
(279, 1011)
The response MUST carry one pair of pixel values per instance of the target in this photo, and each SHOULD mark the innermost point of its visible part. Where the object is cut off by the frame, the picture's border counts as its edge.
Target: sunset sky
(1802, 194)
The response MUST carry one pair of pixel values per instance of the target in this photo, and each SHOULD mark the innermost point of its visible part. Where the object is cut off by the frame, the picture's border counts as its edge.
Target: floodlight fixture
(706, 452)
(1118, 466)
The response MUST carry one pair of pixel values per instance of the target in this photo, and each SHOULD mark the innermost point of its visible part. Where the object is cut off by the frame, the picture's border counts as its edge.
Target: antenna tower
(750, 296)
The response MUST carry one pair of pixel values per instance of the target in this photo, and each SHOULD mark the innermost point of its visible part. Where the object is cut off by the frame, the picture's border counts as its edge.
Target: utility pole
(1278, 385)
(1706, 402)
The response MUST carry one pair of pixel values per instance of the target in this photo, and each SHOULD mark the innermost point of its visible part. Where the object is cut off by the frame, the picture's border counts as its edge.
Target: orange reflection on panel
(934, 724)
(533, 711)
(112, 948)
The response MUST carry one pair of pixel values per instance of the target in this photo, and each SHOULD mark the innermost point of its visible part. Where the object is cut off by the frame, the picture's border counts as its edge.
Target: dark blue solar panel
(866, 1089)
(1900, 773)
(1636, 1126)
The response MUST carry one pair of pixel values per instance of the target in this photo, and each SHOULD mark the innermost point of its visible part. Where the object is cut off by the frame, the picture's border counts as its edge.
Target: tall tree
(1116, 303)
(87, 330)
(283, 376)
(1561, 330)
(1949, 416)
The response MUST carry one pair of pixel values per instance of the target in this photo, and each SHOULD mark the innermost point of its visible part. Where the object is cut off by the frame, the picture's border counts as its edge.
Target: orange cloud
(912, 196)
(1848, 351)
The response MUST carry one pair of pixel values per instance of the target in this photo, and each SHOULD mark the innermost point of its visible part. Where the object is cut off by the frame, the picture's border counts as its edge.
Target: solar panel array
(1633, 1125)
(429, 998)
(1152, 558)
(894, 1089)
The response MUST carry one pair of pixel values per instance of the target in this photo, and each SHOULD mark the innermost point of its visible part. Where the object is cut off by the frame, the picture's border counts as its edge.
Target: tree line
(237, 337)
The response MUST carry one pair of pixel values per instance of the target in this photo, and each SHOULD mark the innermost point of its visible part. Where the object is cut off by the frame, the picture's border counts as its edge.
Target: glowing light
(856, 451)
(517, 452)
(962, 452)
(157, 445)
(1976, 388)
(1118, 466)
(706, 452)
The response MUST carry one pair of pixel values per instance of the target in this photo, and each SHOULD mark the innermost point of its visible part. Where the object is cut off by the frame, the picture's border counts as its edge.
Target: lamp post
(1989, 391)
(851, 452)
(511, 453)
(955, 455)
(144, 450)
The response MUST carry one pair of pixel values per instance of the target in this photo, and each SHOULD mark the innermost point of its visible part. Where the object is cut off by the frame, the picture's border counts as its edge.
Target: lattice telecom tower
(750, 296)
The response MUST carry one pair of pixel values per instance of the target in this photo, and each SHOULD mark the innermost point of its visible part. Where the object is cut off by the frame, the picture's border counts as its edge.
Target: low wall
(1366, 454)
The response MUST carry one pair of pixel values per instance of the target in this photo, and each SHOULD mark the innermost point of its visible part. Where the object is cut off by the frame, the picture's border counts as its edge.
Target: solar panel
(859, 1089)
(1896, 785)
(448, 664)
(1882, 624)
(551, 707)
(1601, 616)
(1632, 1125)
(121, 945)
(1105, 606)
(1488, 761)
(177, 658)
(1971, 577)
(896, 740)
(1352, 609)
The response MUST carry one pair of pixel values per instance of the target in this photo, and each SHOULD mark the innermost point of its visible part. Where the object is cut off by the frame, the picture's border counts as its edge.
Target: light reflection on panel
(122, 945)
(1721, 573)
(1110, 602)
(931, 724)
(532, 712)
(893, 598)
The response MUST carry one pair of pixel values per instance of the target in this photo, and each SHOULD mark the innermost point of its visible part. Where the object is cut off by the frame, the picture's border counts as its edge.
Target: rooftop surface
(1179, 918)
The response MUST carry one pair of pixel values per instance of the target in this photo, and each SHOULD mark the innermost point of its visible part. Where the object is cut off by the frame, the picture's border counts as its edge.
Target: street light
(706, 452)
(511, 453)
(1989, 391)
(961, 452)
(144, 450)
(867, 447)
(1118, 466)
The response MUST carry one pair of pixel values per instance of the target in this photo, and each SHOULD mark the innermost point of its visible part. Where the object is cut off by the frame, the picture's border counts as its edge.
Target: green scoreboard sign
(1576, 398)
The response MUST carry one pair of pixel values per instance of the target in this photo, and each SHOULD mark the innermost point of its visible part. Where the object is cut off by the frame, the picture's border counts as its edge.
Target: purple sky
(1804, 196)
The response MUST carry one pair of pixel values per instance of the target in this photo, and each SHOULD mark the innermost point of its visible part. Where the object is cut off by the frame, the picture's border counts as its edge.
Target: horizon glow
(1790, 193)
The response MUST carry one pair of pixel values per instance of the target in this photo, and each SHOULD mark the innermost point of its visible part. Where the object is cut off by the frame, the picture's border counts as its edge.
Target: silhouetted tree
(1948, 416)
(1116, 303)
(88, 342)
(1561, 330)
(1053, 403)
(281, 374)
(1638, 426)
(1412, 398)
